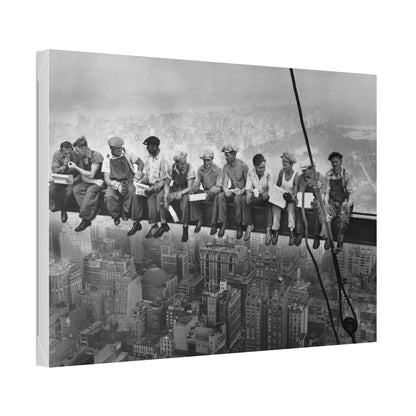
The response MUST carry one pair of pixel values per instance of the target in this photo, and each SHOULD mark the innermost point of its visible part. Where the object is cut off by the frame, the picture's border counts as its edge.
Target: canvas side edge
(42, 119)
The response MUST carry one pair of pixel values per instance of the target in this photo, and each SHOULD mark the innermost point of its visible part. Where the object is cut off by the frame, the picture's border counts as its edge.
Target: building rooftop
(156, 277)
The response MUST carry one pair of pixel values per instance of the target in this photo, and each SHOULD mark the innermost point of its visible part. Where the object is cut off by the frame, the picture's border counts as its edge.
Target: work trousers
(339, 220)
(196, 211)
(241, 209)
(184, 205)
(259, 202)
(314, 225)
(59, 196)
(153, 207)
(118, 204)
(277, 213)
(87, 196)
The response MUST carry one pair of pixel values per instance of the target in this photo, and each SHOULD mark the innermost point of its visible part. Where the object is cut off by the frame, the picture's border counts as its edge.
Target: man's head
(152, 143)
(116, 146)
(180, 158)
(336, 161)
(66, 149)
(259, 163)
(207, 155)
(288, 160)
(306, 169)
(230, 153)
(81, 146)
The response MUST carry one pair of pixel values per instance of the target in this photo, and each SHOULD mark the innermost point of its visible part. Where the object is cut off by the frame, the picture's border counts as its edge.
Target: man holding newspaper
(182, 175)
(283, 196)
(149, 187)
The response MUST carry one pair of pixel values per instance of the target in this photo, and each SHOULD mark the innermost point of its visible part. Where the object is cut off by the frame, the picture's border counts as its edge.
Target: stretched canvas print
(190, 208)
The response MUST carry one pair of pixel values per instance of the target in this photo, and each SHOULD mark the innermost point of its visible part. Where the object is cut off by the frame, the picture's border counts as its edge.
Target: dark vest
(180, 180)
(87, 166)
(120, 169)
(337, 190)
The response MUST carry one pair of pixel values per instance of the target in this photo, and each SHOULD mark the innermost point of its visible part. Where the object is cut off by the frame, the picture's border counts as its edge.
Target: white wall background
(354, 36)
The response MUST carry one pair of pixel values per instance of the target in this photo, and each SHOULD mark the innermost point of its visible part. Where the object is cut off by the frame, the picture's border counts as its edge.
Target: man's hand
(239, 191)
(228, 193)
(149, 191)
(265, 195)
(287, 197)
(345, 207)
(99, 182)
(123, 189)
(177, 196)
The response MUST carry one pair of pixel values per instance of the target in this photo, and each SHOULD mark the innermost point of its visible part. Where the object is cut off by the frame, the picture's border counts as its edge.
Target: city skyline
(270, 301)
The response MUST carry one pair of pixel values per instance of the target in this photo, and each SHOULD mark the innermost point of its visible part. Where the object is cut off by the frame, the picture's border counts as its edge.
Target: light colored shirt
(208, 177)
(132, 160)
(237, 173)
(254, 182)
(346, 183)
(155, 168)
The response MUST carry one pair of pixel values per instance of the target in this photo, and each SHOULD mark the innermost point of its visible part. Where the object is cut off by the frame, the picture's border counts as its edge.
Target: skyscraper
(65, 282)
(255, 319)
(297, 325)
(229, 312)
(128, 292)
(75, 246)
(218, 261)
(102, 268)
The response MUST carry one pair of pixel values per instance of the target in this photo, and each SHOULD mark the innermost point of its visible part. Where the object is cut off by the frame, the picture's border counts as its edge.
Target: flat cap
(115, 141)
(207, 154)
(289, 157)
(179, 154)
(229, 148)
(152, 140)
(335, 154)
(306, 164)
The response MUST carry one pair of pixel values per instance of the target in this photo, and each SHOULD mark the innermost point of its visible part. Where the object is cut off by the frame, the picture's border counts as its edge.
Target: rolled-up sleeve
(327, 185)
(165, 170)
(191, 173)
(105, 168)
(198, 180)
(349, 187)
(249, 182)
(56, 163)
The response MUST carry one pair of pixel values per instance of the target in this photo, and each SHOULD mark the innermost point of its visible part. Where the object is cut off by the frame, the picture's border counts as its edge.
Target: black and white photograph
(201, 208)
(213, 200)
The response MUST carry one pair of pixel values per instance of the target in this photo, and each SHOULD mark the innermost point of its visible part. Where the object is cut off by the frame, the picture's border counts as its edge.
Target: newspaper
(198, 197)
(140, 188)
(276, 196)
(173, 214)
(308, 199)
(62, 179)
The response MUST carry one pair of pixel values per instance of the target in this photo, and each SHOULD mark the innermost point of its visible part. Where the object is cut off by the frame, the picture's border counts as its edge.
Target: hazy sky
(97, 82)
